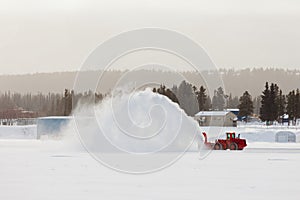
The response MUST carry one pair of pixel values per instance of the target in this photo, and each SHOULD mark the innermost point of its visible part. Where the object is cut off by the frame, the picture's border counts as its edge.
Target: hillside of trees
(235, 81)
(270, 104)
(50, 104)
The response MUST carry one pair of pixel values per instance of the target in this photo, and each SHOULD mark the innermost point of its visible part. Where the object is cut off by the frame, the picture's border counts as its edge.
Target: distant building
(216, 118)
(19, 115)
(285, 136)
(233, 110)
(51, 126)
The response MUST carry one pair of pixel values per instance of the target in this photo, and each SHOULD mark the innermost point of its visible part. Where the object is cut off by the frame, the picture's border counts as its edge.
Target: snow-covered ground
(18, 132)
(58, 169)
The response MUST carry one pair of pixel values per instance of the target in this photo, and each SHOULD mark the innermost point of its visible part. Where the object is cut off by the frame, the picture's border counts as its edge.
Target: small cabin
(216, 118)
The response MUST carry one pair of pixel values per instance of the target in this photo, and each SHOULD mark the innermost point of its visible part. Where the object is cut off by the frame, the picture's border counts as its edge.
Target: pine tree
(273, 102)
(297, 104)
(229, 102)
(265, 108)
(218, 101)
(187, 98)
(291, 105)
(233, 102)
(98, 98)
(281, 102)
(166, 92)
(171, 96)
(269, 110)
(68, 96)
(201, 98)
(246, 105)
(256, 105)
(208, 105)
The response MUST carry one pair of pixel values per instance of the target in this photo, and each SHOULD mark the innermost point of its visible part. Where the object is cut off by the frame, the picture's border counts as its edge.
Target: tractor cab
(230, 135)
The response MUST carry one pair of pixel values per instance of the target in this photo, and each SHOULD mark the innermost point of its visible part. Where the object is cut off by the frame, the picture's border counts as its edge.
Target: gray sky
(57, 35)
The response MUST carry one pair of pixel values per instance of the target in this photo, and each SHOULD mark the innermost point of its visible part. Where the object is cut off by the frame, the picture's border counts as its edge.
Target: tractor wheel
(233, 146)
(217, 146)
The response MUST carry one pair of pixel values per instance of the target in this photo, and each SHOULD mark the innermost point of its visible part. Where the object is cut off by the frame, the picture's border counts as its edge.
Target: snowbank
(251, 133)
(18, 132)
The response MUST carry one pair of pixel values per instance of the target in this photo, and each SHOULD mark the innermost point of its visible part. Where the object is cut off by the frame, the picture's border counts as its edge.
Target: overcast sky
(57, 35)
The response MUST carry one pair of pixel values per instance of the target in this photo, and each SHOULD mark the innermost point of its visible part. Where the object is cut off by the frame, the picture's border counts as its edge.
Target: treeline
(57, 104)
(275, 104)
(193, 99)
(271, 106)
(236, 81)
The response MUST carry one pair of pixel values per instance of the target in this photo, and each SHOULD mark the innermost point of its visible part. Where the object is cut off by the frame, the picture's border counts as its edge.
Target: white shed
(285, 136)
(216, 118)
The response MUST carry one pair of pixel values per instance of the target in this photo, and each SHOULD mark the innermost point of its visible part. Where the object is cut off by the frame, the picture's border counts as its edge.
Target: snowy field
(62, 169)
(59, 168)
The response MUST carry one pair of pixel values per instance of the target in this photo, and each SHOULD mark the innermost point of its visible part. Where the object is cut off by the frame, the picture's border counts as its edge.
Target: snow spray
(143, 127)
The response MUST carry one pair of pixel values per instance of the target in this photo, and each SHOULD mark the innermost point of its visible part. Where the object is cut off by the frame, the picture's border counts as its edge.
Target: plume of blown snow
(135, 122)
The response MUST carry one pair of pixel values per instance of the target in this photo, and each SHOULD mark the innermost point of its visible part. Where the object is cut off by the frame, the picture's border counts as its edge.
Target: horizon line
(220, 69)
